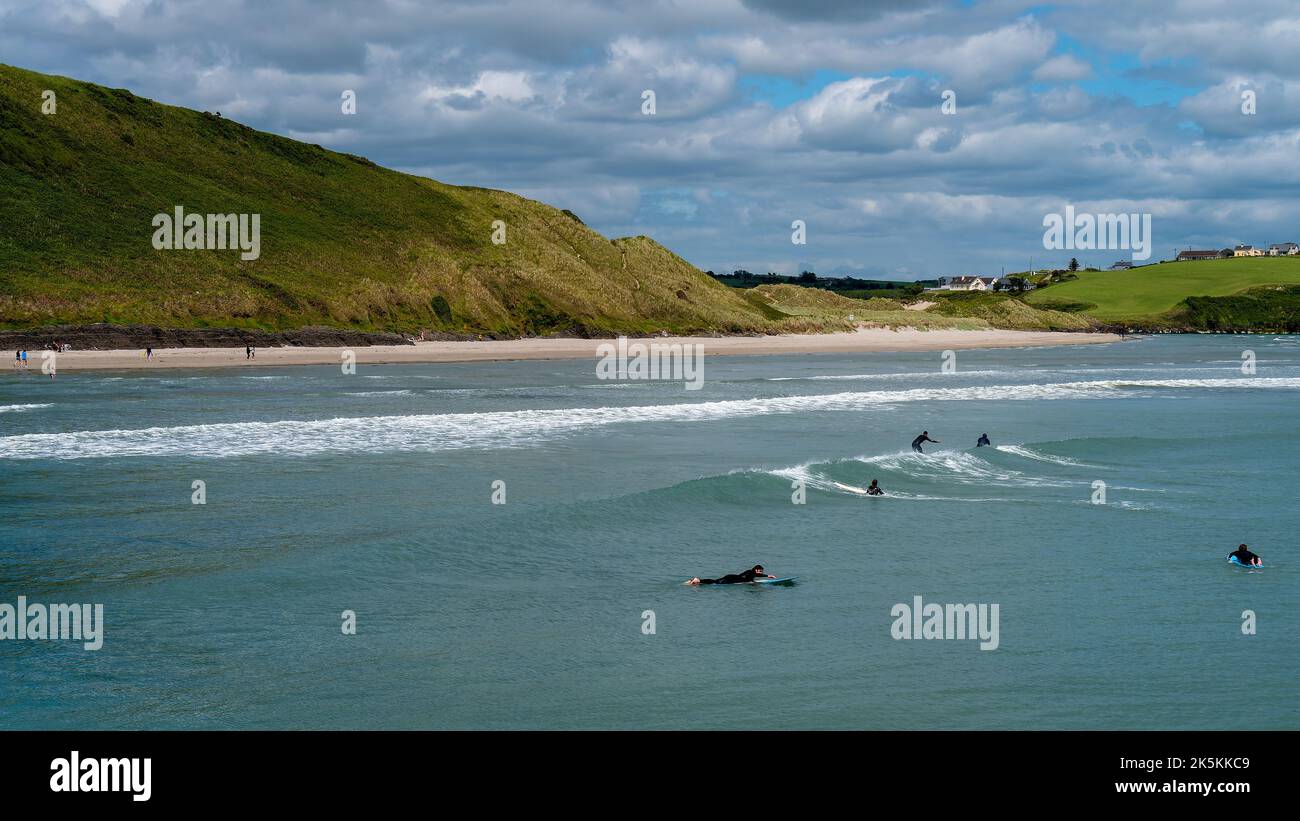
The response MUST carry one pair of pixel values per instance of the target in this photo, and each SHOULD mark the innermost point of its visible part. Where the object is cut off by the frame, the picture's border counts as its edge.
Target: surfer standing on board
(736, 578)
(983, 441)
(924, 437)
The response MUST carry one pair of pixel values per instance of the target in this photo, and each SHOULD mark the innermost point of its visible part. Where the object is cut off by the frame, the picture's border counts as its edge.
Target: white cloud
(1063, 68)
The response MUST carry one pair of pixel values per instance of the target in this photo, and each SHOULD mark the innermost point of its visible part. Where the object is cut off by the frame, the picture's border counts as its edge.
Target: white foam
(1030, 453)
(817, 481)
(863, 376)
(961, 467)
(22, 408)
(497, 429)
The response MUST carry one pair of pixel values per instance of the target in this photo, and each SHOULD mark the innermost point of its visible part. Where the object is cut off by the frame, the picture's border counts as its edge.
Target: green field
(1157, 291)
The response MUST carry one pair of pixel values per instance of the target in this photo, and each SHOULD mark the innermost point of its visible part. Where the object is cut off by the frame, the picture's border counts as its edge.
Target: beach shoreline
(864, 340)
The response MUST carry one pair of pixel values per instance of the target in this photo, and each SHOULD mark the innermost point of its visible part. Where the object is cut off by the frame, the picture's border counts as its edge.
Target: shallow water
(373, 493)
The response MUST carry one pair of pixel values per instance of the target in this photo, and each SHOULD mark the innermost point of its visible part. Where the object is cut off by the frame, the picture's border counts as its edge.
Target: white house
(1283, 249)
(1247, 251)
(971, 283)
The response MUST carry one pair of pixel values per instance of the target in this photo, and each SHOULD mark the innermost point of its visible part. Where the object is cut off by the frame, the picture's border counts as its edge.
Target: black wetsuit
(875, 490)
(984, 440)
(1243, 555)
(733, 578)
(916, 443)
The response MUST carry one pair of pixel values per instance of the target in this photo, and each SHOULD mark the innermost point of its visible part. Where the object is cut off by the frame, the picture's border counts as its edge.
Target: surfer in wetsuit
(736, 578)
(1244, 556)
(875, 490)
(924, 437)
(983, 440)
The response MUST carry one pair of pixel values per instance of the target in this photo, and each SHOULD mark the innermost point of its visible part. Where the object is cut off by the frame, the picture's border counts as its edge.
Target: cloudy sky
(766, 112)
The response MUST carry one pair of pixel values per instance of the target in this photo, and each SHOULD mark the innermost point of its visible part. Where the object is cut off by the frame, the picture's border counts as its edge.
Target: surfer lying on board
(736, 578)
(1244, 556)
(875, 490)
(924, 437)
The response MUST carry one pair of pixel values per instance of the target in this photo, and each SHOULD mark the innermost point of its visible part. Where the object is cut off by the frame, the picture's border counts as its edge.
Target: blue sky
(767, 111)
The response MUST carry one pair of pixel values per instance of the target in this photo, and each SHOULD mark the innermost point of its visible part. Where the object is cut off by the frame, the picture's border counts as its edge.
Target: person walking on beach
(148, 353)
(18, 360)
(924, 437)
(248, 352)
(252, 353)
(24, 360)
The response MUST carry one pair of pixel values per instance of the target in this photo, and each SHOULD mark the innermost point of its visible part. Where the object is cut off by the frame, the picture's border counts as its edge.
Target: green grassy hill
(1156, 294)
(345, 243)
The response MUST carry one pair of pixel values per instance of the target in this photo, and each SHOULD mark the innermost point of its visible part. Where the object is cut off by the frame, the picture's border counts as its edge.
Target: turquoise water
(373, 493)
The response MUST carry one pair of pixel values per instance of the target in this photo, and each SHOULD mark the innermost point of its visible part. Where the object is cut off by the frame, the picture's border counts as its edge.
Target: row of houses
(1277, 249)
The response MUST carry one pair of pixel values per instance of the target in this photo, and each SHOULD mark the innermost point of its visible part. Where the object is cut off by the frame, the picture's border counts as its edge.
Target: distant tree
(741, 273)
(997, 286)
(1074, 264)
(807, 276)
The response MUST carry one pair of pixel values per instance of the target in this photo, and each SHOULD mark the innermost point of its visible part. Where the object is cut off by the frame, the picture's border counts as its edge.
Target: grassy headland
(1239, 293)
(344, 242)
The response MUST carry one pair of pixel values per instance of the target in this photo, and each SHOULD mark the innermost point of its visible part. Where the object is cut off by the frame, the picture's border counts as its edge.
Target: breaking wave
(501, 429)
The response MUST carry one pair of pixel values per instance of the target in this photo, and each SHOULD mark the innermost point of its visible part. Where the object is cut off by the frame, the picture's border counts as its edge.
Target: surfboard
(786, 580)
(1239, 563)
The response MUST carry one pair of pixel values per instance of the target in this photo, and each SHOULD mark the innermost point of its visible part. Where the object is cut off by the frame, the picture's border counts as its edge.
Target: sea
(503, 545)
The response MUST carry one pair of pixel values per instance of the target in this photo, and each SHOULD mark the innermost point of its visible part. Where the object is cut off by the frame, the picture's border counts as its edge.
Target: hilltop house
(1124, 264)
(970, 284)
(1191, 255)
(1277, 249)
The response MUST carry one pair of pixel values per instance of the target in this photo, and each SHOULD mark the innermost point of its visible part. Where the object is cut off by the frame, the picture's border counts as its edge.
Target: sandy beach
(861, 341)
